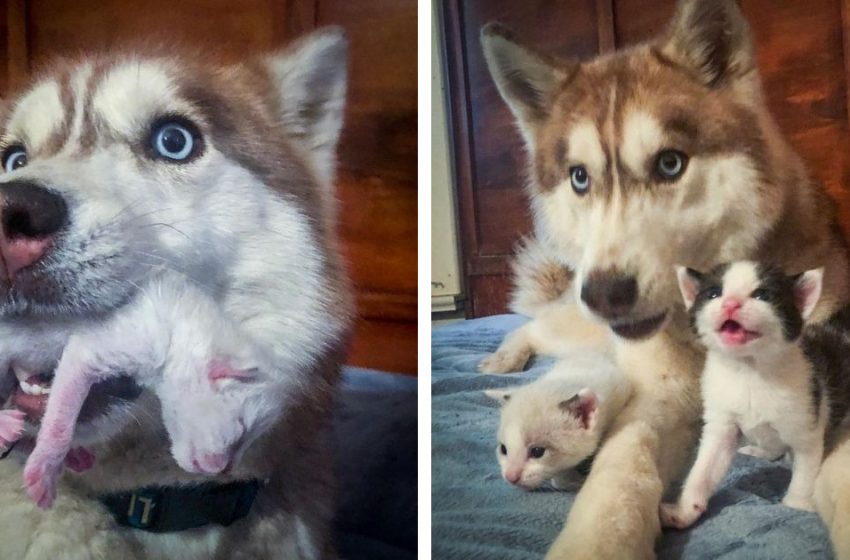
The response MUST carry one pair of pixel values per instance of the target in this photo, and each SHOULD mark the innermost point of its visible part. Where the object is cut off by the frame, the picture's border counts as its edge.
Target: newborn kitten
(549, 426)
(757, 380)
(172, 338)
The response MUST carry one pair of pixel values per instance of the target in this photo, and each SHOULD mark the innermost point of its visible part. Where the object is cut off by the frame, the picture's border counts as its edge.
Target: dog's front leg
(832, 495)
(557, 330)
(615, 515)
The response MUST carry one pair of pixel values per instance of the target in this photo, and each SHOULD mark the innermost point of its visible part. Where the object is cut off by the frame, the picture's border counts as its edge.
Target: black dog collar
(177, 508)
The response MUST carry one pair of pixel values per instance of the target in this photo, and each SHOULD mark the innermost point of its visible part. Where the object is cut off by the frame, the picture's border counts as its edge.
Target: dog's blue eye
(175, 141)
(670, 164)
(14, 157)
(579, 179)
(536, 452)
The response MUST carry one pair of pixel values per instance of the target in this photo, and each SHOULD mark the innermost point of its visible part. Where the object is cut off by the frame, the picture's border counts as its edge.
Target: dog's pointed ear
(528, 81)
(807, 290)
(310, 78)
(711, 39)
(689, 284)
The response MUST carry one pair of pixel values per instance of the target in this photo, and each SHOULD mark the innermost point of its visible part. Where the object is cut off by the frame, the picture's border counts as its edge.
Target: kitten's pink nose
(730, 305)
(513, 476)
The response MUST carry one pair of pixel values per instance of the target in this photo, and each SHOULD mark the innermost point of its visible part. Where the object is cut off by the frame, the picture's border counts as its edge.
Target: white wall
(445, 269)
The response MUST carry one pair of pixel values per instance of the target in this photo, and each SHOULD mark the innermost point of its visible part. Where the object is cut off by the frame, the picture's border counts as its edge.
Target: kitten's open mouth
(640, 328)
(32, 390)
(733, 333)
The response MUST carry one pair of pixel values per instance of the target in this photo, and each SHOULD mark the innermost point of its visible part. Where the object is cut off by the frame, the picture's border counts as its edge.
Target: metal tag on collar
(143, 508)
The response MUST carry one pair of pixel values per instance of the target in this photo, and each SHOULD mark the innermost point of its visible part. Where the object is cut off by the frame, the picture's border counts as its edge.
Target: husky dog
(658, 155)
(121, 167)
(758, 379)
(554, 424)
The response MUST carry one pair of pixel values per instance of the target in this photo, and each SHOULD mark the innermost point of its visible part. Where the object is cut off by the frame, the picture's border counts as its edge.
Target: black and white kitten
(762, 378)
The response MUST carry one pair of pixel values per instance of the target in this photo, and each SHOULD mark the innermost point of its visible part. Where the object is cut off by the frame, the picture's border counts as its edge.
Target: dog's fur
(250, 219)
(744, 194)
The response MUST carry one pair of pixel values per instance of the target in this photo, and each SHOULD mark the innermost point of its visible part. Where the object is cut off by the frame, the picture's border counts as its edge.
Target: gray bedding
(475, 514)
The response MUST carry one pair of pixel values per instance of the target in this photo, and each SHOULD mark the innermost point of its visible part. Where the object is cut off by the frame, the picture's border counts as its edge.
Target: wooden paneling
(801, 49)
(489, 157)
(377, 169)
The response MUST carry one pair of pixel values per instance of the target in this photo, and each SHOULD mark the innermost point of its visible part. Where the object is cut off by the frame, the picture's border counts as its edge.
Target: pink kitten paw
(680, 516)
(11, 426)
(79, 459)
(40, 480)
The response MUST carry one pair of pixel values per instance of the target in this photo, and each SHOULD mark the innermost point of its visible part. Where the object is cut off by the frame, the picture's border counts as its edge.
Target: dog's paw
(503, 362)
(11, 426)
(679, 516)
(40, 481)
(804, 503)
(79, 459)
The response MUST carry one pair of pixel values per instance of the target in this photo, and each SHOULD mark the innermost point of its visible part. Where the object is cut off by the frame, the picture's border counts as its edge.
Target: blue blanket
(375, 435)
(478, 515)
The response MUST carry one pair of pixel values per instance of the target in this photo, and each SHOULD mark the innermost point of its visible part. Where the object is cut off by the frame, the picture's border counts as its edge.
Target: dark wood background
(804, 57)
(377, 176)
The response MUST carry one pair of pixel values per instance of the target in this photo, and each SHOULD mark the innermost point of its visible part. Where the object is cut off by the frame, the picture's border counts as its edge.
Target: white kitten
(216, 394)
(757, 380)
(549, 426)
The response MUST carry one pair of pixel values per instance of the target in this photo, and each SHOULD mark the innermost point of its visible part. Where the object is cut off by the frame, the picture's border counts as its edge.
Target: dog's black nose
(29, 211)
(609, 294)
(30, 216)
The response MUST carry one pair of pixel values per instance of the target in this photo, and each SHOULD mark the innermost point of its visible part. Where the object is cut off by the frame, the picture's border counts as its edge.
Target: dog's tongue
(32, 405)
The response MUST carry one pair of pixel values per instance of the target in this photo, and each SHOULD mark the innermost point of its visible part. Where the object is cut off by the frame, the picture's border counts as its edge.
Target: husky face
(117, 167)
(644, 157)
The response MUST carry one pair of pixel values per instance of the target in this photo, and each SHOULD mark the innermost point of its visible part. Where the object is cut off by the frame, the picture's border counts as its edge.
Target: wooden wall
(803, 54)
(377, 173)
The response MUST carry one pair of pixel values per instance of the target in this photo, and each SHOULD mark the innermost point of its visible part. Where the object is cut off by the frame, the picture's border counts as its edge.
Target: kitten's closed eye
(536, 452)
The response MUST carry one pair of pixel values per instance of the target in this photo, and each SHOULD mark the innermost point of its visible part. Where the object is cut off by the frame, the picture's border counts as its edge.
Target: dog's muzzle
(30, 216)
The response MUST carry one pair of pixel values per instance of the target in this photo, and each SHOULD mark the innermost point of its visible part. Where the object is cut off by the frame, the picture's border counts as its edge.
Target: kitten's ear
(689, 283)
(807, 289)
(710, 39)
(582, 406)
(527, 80)
(499, 395)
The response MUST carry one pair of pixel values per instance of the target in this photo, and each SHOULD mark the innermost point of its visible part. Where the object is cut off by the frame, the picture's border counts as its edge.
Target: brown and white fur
(250, 219)
(741, 192)
(549, 426)
(757, 379)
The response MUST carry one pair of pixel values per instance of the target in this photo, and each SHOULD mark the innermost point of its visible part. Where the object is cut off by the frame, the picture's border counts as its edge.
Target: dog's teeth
(33, 389)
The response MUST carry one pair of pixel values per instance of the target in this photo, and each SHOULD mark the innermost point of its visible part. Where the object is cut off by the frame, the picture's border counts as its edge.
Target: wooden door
(803, 56)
